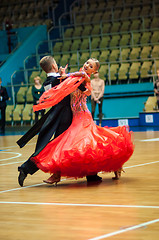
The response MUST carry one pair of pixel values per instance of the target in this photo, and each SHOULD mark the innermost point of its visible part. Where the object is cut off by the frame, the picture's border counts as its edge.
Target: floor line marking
(5, 164)
(14, 189)
(6, 159)
(80, 205)
(125, 230)
(142, 164)
(16, 146)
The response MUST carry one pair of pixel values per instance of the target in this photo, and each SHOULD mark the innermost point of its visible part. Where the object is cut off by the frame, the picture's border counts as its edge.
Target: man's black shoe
(93, 178)
(21, 176)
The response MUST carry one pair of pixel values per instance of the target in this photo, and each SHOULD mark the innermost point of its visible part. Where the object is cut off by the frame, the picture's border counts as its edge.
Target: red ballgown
(84, 148)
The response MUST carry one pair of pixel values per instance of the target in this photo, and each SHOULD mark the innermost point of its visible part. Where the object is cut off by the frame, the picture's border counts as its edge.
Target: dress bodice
(78, 101)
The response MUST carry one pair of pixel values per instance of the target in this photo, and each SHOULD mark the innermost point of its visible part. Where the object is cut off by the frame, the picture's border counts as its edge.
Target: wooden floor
(127, 209)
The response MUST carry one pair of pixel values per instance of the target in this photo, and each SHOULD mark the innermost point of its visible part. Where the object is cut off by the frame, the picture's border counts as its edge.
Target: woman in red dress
(84, 148)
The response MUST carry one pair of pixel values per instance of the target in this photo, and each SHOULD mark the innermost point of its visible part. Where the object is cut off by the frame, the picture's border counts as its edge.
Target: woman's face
(90, 66)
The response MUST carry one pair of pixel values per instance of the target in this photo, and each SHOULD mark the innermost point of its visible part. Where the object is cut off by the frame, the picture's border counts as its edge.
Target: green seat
(125, 26)
(114, 56)
(103, 72)
(74, 59)
(20, 97)
(95, 54)
(146, 10)
(77, 31)
(155, 52)
(145, 53)
(135, 25)
(125, 39)
(87, 18)
(155, 22)
(87, 30)
(29, 96)
(155, 37)
(135, 53)
(68, 33)
(9, 113)
(85, 44)
(145, 69)
(125, 53)
(95, 42)
(107, 15)
(113, 72)
(57, 47)
(126, 12)
(145, 38)
(66, 46)
(115, 27)
(84, 57)
(116, 13)
(123, 71)
(17, 113)
(114, 41)
(27, 112)
(134, 70)
(136, 38)
(96, 30)
(97, 17)
(135, 12)
(104, 56)
(147, 22)
(64, 59)
(57, 58)
(104, 42)
(75, 45)
(106, 28)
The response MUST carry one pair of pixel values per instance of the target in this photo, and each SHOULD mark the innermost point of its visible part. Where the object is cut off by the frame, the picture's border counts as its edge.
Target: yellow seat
(27, 113)
(29, 96)
(84, 57)
(125, 26)
(85, 44)
(96, 30)
(103, 72)
(114, 55)
(74, 59)
(95, 42)
(123, 71)
(135, 52)
(104, 42)
(125, 39)
(135, 12)
(17, 113)
(113, 72)
(104, 56)
(114, 41)
(134, 70)
(66, 46)
(155, 52)
(155, 22)
(9, 113)
(106, 28)
(68, 33)
(145, 53)
(95, 54)
(75, 45)
(150, 104)
(136, 38)
(57, 47)
(77, 31)
(145, 38)
(64, 59)
(145, 70)
(135, 25)
(20, 97)
(125, 53)
(115, 27)
(155, 37)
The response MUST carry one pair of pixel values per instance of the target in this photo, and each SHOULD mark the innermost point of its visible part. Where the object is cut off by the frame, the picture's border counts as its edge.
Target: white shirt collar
(52, 74)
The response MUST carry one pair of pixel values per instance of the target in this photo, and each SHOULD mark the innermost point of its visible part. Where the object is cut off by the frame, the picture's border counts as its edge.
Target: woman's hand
(63, 70)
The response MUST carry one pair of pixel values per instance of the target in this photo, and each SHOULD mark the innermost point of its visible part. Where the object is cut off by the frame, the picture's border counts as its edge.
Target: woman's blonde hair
(97, 63)
(37, 78)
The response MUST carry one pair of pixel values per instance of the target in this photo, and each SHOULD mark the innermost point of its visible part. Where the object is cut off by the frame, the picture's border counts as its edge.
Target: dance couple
(79, 148)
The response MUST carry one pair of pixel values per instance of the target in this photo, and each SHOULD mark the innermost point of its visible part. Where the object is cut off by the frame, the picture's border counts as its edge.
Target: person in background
(37, 91)
(156, 88)
(97, 95)
(3, 98)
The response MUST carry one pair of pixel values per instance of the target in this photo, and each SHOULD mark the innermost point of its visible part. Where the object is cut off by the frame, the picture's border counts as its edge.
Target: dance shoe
(21, 176)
